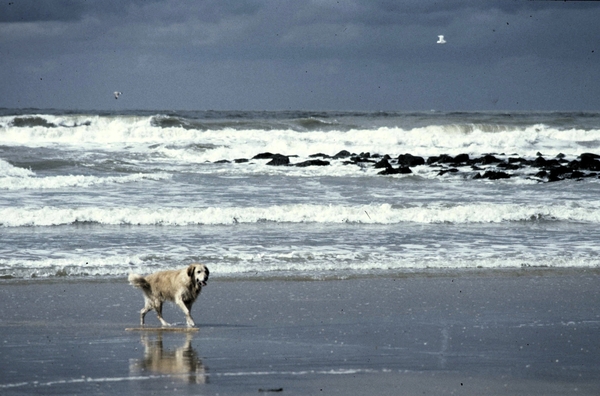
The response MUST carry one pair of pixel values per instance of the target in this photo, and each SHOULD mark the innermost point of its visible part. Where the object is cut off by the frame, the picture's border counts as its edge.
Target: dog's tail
(138, 281)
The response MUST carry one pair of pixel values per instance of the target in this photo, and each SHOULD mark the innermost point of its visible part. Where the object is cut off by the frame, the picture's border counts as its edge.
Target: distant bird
(117, 94)
(441, 40)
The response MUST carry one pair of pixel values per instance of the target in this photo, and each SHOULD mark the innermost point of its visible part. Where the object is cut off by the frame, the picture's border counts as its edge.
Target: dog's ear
(190, 270)
(207, 271)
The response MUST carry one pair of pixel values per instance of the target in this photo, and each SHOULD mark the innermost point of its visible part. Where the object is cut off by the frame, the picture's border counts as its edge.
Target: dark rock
(342, 154)
(410, 160)
(461, 158)
(558, 172)
(221, 162)
(384, 163)
(552, 163)
(493, 175)
(553, 177)
(433, 159)
(513, 160)
(448, 159)
(444, 171)
(504, 165)
(445, 159)
(319, 155)
(240, 160)
(395, 171)
(487, 160)
(589, 156)
(312, 163)
(577, 175)
(589, 161)
(539, 162)
(264, 156)
(279, 160)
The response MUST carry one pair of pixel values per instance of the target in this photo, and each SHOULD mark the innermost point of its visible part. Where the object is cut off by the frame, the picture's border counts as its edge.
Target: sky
(355, 55)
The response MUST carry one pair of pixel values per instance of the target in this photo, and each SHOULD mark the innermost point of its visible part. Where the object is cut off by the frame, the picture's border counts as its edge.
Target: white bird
(441, 39)
(117, 94)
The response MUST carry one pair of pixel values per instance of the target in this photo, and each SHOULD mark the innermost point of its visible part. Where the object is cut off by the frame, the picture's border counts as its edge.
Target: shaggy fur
(179, 286)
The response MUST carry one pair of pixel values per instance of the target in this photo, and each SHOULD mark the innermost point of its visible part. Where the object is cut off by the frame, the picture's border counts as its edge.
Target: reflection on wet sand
(182, 362)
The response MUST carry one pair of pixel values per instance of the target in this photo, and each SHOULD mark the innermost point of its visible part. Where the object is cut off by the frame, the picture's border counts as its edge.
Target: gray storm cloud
(346, 55)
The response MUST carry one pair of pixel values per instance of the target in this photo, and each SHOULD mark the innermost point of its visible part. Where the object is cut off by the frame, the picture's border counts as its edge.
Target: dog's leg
(188, 305)
(147, 308)
(185, 307)
(158, 309)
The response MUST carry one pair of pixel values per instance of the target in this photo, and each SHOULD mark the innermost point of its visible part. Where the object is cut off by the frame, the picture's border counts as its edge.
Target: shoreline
(494, 334)
(325, 277)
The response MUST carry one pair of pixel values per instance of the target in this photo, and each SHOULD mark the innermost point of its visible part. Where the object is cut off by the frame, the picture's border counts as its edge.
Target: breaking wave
(299, 213)
(304, 135)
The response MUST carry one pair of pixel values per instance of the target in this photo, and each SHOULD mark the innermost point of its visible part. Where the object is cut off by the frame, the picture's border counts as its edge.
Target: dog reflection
(182, 363)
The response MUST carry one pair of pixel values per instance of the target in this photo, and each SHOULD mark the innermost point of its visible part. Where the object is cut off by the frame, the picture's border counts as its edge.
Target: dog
(181, 286)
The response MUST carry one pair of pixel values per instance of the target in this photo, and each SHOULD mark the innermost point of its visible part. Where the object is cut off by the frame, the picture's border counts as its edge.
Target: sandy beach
(468, 333)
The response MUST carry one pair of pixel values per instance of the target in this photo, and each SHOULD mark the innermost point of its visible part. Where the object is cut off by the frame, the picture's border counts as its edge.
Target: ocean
(296, 194)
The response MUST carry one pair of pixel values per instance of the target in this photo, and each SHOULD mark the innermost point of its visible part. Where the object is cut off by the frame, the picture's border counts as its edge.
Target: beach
(440, 332)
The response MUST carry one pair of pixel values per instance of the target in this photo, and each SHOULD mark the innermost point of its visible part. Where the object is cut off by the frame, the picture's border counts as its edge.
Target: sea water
(101, 194)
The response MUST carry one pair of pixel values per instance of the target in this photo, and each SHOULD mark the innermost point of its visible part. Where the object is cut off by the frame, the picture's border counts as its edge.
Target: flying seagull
(441, 39)
(117, 94)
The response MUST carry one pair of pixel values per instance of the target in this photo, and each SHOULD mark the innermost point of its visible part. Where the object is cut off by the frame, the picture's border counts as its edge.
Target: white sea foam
(238, 217)
(7, 170)
(90, 380)
(56, 182)
(116, 132)
(298, 213)
(317, 265)
(76, 265)
(73, 381)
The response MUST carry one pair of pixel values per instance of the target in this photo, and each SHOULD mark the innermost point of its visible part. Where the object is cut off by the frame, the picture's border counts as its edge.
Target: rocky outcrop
(278, 160)
(488, 166)
(403, 170)
(492, 175)
(410, 160)
(312, 163)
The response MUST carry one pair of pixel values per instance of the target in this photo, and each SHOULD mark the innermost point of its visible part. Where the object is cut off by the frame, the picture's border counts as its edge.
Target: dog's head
(199, 274)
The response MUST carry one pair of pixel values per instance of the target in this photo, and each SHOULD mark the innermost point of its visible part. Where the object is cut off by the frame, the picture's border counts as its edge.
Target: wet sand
(515, 332)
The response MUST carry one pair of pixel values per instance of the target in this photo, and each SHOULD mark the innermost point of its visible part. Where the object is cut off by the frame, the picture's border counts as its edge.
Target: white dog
(179, 286)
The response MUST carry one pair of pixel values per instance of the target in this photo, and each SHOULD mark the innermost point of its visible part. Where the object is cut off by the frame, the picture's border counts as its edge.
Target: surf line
(165, 329)
(80, 381)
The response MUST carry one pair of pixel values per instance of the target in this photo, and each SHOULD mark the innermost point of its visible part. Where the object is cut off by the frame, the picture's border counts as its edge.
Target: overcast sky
(302, 55)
